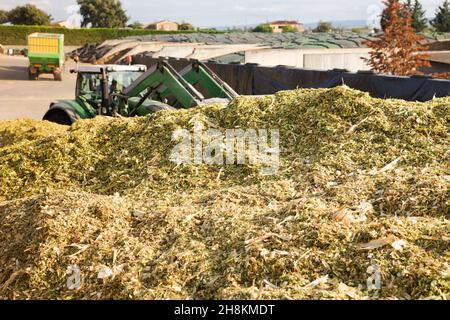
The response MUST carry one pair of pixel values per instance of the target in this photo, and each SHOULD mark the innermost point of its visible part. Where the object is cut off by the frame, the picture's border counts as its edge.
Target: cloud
(276, 9)
(238, 8)
(222, 13)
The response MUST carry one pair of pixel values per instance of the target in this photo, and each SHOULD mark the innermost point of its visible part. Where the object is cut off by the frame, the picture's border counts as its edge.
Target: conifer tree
(442, 20)
(398, 51)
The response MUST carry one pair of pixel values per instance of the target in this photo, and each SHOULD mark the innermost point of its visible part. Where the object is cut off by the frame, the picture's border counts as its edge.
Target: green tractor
(132, 90)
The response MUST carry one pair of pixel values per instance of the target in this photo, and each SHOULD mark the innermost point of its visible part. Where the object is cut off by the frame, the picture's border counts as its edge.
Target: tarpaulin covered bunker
(252, 79)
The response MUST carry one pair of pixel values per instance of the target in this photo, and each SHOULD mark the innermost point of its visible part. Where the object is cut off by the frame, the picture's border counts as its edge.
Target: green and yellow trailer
(46, 55)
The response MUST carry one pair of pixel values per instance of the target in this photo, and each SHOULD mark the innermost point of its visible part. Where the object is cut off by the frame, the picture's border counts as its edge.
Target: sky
(220, 13)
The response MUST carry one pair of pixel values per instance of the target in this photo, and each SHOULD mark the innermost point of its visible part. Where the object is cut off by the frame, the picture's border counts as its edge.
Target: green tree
(442, 20)
(418, 15)
(29, 15)
(263, 28)
(3, 16)
(186, 26)
(324, 26)
(289, 29)
(102, 13)
(136, 25)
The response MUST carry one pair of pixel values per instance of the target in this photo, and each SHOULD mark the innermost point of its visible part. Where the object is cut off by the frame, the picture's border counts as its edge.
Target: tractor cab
(92, 80)
(89, 79)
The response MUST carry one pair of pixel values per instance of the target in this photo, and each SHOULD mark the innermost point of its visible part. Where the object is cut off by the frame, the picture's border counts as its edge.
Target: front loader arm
(162, 76)
(198, 73)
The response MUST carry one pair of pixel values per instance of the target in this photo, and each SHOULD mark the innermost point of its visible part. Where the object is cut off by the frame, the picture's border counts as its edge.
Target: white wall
(350, 61)
(318, 59)
(275, 57)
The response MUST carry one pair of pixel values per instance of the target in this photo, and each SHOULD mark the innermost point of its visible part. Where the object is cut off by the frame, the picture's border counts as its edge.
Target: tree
(266, 28)
(289, 29)
(102, 13)
(398, 50)
(324, 26)
(442, 20)
(418, 15)
(29, 15)
(3, 16)
(386, 16)
(185, 26)
(136, 25)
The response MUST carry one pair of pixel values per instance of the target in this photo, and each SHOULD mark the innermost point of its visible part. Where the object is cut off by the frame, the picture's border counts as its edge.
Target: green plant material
(16, 131)
(362, 182)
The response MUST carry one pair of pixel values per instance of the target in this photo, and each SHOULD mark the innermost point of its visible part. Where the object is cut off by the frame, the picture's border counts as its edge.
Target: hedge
(17, 35)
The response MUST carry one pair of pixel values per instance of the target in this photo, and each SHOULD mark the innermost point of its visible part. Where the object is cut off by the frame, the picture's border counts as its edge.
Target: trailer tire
(57, 74)
(32, 76)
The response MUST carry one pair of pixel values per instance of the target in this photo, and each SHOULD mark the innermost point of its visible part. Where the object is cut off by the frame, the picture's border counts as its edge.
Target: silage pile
(362, 186)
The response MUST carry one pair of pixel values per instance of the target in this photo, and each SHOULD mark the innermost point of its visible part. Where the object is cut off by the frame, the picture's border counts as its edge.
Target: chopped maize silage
(363, 183)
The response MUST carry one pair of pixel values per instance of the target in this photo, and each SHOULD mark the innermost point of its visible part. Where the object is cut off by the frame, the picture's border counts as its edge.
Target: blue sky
(205, 13)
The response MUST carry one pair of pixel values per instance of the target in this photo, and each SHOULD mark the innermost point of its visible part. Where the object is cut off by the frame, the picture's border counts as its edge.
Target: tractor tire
(59, 117)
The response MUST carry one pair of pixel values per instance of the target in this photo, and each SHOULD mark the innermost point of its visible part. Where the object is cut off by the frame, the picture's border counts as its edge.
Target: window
(89, 84)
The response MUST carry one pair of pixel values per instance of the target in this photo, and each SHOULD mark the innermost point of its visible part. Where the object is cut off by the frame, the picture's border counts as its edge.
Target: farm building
(163, 25)
(278, 26)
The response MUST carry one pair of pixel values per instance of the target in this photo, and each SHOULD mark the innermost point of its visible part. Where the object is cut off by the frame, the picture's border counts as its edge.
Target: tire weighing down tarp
(250, 79)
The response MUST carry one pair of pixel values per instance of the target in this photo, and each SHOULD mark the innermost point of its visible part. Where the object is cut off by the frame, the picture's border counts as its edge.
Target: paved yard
(22, 98)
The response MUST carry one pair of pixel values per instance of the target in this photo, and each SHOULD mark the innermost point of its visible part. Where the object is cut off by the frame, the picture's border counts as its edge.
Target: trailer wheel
(57, 74)
(32, 75)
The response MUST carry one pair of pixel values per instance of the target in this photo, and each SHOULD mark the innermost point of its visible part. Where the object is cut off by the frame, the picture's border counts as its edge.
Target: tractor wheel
(57, 74)
(59, 117)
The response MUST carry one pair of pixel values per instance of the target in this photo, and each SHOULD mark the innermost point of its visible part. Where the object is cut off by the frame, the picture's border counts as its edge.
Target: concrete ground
(22, 98)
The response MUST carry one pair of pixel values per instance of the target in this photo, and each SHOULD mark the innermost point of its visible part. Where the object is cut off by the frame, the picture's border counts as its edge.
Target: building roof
(284, 22)
(162, 21)
(62, 23)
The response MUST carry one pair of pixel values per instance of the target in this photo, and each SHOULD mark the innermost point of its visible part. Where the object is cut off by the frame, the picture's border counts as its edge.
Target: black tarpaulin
(270, 80)
(250, 79)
